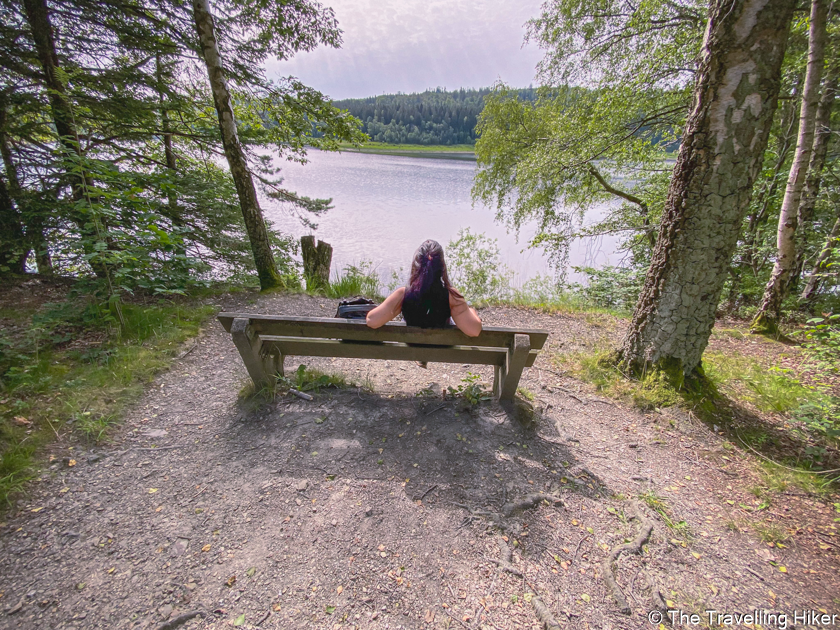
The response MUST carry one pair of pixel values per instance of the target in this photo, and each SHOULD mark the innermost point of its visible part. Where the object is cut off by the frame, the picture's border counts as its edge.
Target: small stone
(155, 433)
(302, 485)
(369, 512)
(165, 611)
(179, 548)
(16, 608)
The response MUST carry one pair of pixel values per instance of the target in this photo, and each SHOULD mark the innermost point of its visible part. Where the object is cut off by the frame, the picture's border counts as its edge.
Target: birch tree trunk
(251, 212)
(735, 97)
(776, 290)
(822, 137)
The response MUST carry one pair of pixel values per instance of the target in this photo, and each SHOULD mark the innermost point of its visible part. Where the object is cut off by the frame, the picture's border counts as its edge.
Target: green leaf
(239, 620)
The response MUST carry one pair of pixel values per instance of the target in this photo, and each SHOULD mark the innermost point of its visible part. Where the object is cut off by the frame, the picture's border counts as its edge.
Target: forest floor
(384, 504)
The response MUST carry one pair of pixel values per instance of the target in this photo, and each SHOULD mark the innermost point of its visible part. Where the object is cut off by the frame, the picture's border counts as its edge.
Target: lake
(385, 206)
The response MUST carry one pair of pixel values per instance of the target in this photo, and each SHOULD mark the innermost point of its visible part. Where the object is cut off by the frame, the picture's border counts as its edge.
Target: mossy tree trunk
(777, 286)
(251, 212)
(735, 97)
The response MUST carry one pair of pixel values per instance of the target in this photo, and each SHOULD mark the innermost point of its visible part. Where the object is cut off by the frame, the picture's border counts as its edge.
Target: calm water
(385, 206)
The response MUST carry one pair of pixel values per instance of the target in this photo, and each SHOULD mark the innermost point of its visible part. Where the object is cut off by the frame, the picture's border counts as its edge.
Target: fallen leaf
(586, 598)
(696, 555)
(231, 580)
(339, 590)
(72, 462)
(151, 490)
(21, 421)
(329, 610)
(250, 572)
(276, 608)
(239, 620)
(111, 570)
(670, 604)
(783, 569)
(207, 547)
(37, 509)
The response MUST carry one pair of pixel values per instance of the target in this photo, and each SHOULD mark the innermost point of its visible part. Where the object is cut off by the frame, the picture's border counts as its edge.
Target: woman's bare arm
(386, 311)
(465, 317)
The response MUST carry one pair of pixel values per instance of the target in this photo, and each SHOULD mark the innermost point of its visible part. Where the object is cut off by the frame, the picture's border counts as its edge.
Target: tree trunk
(254, 222)
(776, 290)
(821, 266)
(14, 247)
(822, 137)
(316, 262)
(37, 14)
(735, 97)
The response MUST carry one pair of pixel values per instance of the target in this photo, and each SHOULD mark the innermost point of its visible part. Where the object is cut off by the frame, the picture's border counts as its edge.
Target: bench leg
(248, 345)
(507, 376)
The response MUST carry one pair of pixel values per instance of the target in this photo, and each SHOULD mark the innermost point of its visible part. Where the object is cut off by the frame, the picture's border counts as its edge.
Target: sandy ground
(394, 507)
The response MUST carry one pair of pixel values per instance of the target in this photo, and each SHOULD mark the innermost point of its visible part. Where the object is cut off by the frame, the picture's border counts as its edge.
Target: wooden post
(248, 345)
(316, 262)
(507, 376)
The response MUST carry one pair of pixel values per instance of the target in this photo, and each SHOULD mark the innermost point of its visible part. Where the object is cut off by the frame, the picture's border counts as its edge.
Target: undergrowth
(71, 369)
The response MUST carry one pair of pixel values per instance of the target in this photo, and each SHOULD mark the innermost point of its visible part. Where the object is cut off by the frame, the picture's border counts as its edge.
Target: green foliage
(611, 287)
(360, 279)
(470, 390)
(309, 379)
(822, 343)
(475, 268)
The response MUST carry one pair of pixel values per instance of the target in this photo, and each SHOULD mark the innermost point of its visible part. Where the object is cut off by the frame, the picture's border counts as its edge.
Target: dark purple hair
(428, 268)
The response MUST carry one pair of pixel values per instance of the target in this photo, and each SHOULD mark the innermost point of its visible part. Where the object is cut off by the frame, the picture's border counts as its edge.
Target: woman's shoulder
(455, 296)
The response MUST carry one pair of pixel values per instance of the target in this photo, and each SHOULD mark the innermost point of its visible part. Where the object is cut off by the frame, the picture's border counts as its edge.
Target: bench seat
(264, 340)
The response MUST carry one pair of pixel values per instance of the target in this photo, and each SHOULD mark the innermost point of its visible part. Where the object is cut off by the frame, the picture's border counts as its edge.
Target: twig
(543, 613)
(582, 402)
(300, 394)
(428, 413)
(773, 461)
(177, 621)
(828, 542)
(264, 617)
(634, 547)
(423, 496)
(195, 495)
(577, 549)
(754, 573)
(456, 619)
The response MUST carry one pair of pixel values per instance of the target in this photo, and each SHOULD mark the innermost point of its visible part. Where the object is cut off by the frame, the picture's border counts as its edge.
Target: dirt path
(393, 508)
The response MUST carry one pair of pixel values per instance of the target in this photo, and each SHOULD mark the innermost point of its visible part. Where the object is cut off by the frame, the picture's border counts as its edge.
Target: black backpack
(355, 308)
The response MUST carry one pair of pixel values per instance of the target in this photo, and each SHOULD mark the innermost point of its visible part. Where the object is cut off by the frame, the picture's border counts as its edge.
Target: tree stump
(316, 262)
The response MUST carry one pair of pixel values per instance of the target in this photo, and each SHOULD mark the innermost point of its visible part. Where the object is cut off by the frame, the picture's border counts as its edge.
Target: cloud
(411, 45)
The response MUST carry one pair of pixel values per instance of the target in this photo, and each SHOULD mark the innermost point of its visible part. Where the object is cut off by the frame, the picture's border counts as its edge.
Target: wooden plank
(335, 328)
(386, 350)
(516, 360)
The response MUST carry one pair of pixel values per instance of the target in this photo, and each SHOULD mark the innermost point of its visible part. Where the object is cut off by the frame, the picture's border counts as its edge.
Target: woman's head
(428, 267)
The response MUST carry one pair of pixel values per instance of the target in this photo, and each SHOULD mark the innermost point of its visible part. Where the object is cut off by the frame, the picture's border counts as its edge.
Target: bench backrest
(350, 330)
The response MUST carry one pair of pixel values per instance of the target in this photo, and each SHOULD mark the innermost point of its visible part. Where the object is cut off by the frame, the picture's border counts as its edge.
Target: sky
(411, 45)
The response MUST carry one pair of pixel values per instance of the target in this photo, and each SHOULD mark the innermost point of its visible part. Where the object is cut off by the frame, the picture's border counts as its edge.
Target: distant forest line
(432, 117)
(440, 117)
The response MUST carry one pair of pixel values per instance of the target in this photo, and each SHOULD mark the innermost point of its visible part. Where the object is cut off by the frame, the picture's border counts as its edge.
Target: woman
(429, 300)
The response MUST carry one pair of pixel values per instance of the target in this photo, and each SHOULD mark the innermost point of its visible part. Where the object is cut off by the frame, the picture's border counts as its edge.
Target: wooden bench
(264, 340)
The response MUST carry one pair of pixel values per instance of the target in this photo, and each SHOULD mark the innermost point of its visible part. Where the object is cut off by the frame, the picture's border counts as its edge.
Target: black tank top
(430, 310)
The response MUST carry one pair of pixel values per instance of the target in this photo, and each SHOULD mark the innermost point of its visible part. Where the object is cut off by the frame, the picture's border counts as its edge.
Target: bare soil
(393, 507)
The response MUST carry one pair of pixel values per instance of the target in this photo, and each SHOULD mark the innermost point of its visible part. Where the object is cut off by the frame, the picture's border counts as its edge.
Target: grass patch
(354, 280)
(598, 367)
(73, 370)
(770, 532)
(770, 390)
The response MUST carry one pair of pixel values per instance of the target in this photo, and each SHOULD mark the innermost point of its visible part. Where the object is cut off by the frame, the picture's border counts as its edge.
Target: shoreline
(435, 152)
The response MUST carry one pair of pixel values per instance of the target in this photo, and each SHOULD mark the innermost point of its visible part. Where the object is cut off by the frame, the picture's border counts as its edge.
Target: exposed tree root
(632, 547)
(177, 621)
(529, 501)
(543, 613)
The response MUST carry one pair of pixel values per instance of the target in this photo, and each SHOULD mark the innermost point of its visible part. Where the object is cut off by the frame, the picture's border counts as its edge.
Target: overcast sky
(411, 45)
